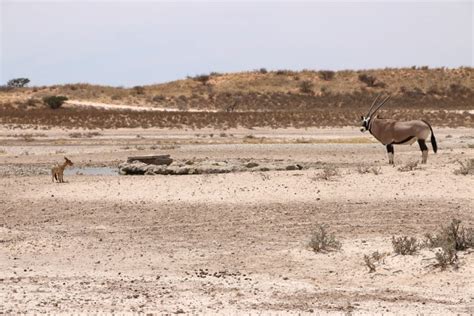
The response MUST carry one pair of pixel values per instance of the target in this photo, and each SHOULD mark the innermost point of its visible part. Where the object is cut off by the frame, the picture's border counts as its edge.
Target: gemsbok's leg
(424, 150)
(390, 153)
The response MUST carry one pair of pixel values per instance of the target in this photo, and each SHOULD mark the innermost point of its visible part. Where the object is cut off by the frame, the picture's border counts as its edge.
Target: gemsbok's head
(365, 120)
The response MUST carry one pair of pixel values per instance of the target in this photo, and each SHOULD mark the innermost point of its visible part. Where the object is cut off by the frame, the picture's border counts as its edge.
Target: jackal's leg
(390, 153)
(424, 150)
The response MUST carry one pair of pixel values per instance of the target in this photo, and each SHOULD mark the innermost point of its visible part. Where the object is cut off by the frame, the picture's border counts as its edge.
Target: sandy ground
(108, 106)
(228, 243)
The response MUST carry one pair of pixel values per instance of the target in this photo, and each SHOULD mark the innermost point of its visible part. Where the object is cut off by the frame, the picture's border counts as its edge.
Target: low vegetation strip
(92, 118)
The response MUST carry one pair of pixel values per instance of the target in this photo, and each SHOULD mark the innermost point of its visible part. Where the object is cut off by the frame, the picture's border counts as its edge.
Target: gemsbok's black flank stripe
(403, 141)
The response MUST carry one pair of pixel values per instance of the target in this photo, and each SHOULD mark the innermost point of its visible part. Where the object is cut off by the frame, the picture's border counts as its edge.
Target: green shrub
(55, 101)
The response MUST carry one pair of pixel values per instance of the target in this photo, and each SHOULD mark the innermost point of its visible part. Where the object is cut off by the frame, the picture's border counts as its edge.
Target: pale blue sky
(132, 43)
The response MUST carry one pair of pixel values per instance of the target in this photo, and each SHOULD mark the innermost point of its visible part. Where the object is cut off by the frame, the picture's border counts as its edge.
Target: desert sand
(228, 243)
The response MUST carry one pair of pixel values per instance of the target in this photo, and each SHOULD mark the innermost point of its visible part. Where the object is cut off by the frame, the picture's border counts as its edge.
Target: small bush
(328, 173)
(263, 70)
(327, 75)
(204, 79)
(466, 168)
(284, 72)
(404, 245)
(364, 170)
(5, 88)
(372, 259)
(452, 236)
(138, 90)
(55, 101)
(371, 81)
(306, 86)
(18, 82)
(446, 257)
(159, 98)
(450, 239)
(409, 166)
(369, 263)
(322, 240)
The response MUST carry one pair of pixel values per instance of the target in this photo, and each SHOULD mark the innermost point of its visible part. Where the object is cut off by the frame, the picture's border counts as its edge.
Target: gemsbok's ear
(361, 117)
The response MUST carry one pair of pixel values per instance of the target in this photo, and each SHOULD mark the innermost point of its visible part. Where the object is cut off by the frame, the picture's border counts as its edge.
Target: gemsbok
(57, 172)
(391, 132)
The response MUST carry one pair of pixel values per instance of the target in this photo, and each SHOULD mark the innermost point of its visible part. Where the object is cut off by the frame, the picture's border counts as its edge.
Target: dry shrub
(327, 75)
(465, 168)
(404, 245)
(138, 90)
(375, 257)
(306, 86)
(446, 257)
(371, 81)
(369, 263)
(409, 166)
(323, 241)
(328, 173)
(204, 79)
(55, 101)
(365, 169)
(452, 236)
(450, 239)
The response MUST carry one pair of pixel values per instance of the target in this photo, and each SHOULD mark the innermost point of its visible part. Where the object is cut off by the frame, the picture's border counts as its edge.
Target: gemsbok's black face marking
(365, 124)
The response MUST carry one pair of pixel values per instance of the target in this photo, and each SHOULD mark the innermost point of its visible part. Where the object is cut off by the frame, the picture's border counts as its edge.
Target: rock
(252, 165)
(152, 159)
(294, 167)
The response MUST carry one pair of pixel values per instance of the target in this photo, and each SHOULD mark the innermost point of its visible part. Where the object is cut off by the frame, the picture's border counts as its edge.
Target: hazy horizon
(127, 44)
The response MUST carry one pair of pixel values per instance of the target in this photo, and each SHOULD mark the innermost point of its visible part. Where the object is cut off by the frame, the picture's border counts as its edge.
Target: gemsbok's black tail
(433, 139)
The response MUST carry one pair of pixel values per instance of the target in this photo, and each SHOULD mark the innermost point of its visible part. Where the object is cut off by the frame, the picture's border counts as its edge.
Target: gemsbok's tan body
(391, 132)
(57, 172)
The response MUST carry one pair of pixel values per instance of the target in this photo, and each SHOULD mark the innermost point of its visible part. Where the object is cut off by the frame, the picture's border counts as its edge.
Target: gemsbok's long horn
(373, 103)
(380, 105)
